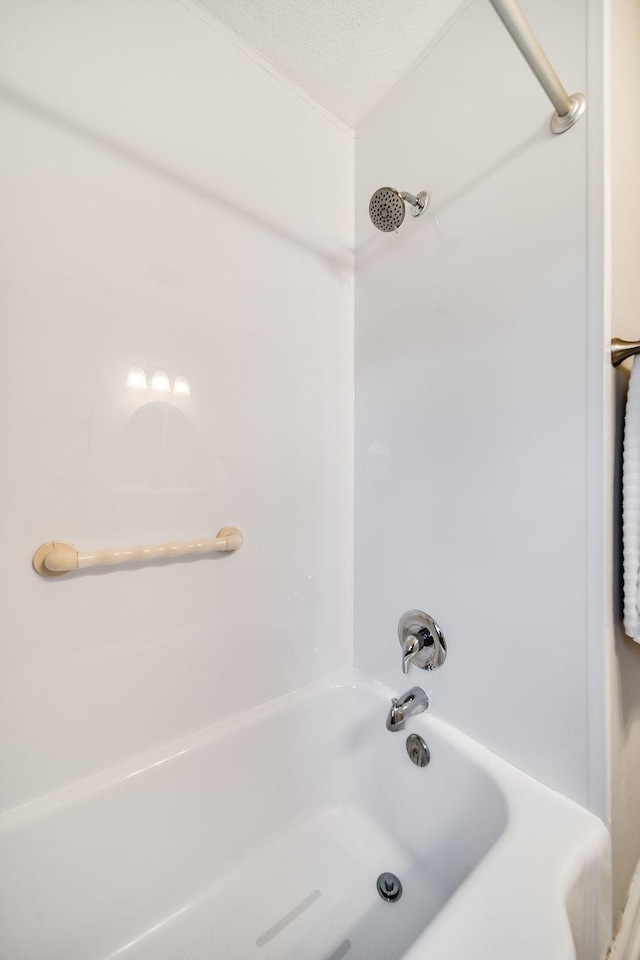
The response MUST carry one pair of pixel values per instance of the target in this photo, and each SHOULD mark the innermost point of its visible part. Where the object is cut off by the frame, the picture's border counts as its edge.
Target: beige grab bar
(57, 557)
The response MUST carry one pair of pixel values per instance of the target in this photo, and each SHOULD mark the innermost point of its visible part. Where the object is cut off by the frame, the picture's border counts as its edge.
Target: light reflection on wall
(137, 379)
(158, 446)
(181, 387)
(159, 382)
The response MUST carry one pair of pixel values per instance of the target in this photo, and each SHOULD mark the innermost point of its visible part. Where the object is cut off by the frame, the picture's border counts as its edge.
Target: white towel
(631, 506)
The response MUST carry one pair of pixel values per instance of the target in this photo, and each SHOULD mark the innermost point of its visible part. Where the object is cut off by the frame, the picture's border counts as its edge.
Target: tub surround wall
(471, 396)
(150, 223)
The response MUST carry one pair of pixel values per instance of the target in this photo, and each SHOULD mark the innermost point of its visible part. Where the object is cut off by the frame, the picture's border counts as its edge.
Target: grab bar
(57, 557)
(569, 109)
(623, 349)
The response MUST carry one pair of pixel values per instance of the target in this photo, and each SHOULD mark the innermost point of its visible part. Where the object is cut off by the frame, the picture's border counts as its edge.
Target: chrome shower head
(387, 207)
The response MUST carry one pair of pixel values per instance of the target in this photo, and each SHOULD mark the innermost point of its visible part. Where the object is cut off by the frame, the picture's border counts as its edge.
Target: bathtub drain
(389, 887)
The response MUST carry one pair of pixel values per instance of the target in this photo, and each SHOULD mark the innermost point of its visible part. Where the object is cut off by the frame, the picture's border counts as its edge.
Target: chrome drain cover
(418, 750)
(389, 887)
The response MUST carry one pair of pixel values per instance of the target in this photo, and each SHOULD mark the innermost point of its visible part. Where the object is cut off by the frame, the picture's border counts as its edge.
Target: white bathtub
(263, 838)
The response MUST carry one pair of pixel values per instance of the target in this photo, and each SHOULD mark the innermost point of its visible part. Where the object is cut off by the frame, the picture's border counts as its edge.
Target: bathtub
(263, 837)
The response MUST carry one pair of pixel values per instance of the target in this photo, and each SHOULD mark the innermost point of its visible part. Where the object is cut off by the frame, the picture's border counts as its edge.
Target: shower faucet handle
(422, 641)
(411, 647)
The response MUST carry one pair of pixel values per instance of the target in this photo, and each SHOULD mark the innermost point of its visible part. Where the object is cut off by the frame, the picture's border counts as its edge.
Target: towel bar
(57, 557)
(623, 349)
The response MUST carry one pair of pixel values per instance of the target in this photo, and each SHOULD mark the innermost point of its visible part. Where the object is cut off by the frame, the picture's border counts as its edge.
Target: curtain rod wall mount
(562, 123)
(568, 110)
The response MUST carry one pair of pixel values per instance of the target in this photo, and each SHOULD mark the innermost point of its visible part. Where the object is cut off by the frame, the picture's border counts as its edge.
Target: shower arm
(568, 109)
(418, 204)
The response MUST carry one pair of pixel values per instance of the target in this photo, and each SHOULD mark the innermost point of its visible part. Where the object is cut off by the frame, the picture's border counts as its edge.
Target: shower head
(387, 207)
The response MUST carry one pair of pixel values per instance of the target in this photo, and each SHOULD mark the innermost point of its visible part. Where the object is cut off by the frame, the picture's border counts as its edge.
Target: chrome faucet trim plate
(422, 641)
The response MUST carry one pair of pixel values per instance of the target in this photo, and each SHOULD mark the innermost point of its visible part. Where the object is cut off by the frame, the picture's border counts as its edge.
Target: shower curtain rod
(568, 110)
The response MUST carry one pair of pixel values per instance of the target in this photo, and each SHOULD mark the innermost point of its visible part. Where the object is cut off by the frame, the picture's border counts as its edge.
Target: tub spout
(413, 701)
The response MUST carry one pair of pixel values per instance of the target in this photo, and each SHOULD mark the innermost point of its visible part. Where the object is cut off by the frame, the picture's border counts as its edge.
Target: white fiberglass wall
(473, 451)
(156, 215)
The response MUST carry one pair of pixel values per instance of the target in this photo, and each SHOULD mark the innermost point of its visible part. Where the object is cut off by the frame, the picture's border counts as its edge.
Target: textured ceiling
(346, 54)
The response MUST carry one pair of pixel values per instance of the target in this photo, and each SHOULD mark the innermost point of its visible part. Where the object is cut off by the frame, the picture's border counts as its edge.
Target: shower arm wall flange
(568, 109)
(418, 204)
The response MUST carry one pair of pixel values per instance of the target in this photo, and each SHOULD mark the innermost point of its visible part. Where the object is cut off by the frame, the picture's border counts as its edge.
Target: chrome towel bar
(57, 557)
(623, 349)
